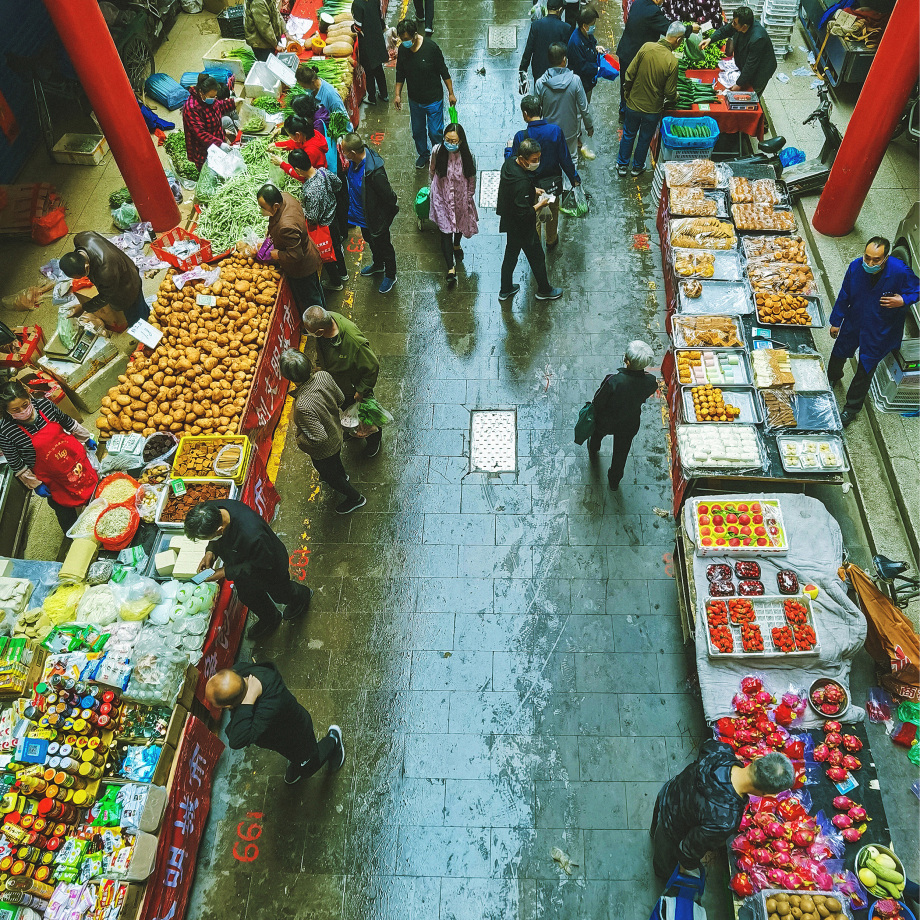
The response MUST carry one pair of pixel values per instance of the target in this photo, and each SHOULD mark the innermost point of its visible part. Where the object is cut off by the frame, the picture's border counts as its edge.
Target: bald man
(265, 713)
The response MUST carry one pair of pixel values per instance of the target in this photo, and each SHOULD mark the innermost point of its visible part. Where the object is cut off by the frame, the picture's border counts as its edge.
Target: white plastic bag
(136, 596)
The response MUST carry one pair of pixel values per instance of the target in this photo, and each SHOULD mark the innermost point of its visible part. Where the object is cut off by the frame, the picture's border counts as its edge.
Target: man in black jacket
(701, 807)
(265, 713)
(618, 407)
(254, 559)
(646, 23)
(517, 208)
(543, 32)
(371, 206)
(753, 50)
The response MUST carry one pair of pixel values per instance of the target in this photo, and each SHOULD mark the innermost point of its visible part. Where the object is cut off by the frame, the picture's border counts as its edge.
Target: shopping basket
(203, 254)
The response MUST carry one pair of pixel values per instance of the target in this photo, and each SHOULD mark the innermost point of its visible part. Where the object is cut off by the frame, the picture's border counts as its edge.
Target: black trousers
(66, 515)
(307, 291)
(301, 747)
(622, 441)
(859, 386)
(263, 594)
(336, 271)
(448, 241)
(424, 9)
(666, 856)
(261, 54)
(332, 472)
(382, 250)
(376, 83)
(528, 241)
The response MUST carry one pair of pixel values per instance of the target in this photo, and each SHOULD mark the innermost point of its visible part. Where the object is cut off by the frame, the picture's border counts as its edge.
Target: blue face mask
(408, 44)
(451, 148)
(590, 30)
(873, 269)
(210, 100)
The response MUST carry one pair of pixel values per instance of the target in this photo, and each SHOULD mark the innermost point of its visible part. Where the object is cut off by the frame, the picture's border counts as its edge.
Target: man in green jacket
(343, 351)
(650, 84)
(263, 27)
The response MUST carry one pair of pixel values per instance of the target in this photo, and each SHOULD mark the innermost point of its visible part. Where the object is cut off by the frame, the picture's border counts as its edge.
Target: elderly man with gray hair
(319, 430)
(649, 86)
(618, 407)
(701, 808)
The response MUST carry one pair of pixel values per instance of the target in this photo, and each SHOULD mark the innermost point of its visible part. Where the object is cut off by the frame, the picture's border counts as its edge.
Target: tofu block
(188, 561)
(165, 562)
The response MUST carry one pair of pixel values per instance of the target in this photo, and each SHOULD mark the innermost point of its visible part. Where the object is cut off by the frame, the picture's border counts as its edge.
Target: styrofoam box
(213, 57)
(260, 81)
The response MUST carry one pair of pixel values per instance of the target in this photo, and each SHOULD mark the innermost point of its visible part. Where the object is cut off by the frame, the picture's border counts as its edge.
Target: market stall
(749, 120)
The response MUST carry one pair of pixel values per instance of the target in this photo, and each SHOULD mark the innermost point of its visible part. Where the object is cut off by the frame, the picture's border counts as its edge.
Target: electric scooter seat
(888, 568)
(772, 146)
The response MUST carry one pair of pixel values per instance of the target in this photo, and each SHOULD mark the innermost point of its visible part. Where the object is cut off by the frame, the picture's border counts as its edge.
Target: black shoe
(836, 382)
(622, 171)
(614, 483)
(554, 244)
(334, 285)
(422, 161)
(551, 294)
(374, 448)
(593, 451)
(350, 504)
(263, 627)
(848, 416)
(336, 764)
(370, 101)
(372, 269)
(297, 609)
(637, 171)
(293, 774)
(452, 277)
(458, 253)
(384, 99)
(507, 295)
(429, 33)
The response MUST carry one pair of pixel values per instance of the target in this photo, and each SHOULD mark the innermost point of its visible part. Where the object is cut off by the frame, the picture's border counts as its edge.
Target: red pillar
(92, 51)
(881, 101)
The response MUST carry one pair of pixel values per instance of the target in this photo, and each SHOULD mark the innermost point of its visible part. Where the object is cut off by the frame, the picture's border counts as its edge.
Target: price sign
(145, 333)
(206, 300)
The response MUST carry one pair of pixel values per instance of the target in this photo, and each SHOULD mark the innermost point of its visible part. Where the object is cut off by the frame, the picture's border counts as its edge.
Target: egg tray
(742, 397)
(768, 610)
(760, 899)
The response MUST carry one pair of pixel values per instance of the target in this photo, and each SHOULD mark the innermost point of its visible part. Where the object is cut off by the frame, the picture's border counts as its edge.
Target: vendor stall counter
(841, 60)
(730, 121)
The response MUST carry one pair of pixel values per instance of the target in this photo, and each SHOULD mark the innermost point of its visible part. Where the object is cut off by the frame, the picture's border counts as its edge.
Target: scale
(85, 340)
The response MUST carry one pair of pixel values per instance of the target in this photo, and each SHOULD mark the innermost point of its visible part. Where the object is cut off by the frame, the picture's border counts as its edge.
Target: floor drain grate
(502, 38)
(493, 440)
(488, 188)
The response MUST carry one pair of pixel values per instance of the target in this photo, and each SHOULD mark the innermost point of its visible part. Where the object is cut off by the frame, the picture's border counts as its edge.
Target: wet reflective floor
(503, 651)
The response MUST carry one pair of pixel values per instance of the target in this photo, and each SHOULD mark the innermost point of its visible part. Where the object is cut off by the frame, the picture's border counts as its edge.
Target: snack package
(705, 331)
(781, 277)
(701, 173)
(702, 233)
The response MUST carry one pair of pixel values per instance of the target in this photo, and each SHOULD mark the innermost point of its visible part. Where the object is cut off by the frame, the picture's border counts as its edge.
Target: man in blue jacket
(543, 32)
(583, 50)
(869, 315)
(554, 161)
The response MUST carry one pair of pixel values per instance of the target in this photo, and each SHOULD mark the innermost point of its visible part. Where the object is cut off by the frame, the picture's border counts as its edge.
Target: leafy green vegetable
(175, 148)
(117, 199)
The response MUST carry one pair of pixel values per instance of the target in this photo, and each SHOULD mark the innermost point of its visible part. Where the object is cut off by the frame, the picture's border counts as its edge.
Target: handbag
(584, 425)
(322, 239)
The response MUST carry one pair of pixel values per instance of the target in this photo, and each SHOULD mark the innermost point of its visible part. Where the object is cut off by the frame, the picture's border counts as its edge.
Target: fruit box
(26, 348)
(734, 526)
(769, 612)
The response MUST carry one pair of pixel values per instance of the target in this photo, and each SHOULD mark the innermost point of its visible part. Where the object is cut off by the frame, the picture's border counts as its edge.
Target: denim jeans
(636, 123)
(427, 122)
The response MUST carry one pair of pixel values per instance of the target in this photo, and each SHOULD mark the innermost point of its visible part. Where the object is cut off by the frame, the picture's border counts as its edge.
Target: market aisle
(503, 652)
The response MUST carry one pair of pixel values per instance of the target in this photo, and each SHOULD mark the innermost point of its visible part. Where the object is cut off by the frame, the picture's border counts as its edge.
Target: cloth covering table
(815, 554)
(729, 121)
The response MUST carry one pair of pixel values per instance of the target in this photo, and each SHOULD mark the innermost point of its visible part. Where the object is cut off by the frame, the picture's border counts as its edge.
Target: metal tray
(808, 408)
(680, 341)
(815, 310)
(743, 363)
(768, 612)
(714, 194)
(176, 527)
(742, 397)
(799, 440)
(799, 362)
(726, 264)
(719, 297)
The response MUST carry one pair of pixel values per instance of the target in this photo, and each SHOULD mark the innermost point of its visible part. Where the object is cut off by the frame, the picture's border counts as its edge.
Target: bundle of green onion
(243, 55)
(267, 103)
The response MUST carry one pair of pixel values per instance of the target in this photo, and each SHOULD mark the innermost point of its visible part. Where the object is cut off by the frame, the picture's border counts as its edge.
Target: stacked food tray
(755, 623)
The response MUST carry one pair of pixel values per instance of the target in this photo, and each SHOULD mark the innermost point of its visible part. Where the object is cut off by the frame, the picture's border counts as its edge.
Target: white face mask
(531, 167)
(23, 414)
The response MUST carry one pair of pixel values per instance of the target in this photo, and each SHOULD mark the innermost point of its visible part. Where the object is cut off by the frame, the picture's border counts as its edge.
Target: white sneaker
(335, 765)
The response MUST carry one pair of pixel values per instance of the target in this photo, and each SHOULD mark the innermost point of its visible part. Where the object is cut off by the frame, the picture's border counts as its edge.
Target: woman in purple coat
(453, 186)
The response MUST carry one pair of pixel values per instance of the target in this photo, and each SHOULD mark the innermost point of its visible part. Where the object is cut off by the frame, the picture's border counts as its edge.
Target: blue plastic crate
(698, 143)
(163, 88)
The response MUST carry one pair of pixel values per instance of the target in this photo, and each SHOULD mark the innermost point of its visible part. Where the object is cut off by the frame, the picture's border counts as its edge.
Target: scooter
(909, 122)
(808, 177)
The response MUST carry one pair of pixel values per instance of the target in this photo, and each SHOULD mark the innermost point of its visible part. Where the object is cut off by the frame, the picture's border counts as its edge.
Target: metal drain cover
(488, 188)
(493, 440)
(502, 38)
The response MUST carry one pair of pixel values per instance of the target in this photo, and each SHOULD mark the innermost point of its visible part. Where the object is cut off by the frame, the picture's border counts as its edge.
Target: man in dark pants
(543, 32)
(371, 206)
(517, 208)
(701, 808)
(753, 50)
(424, 12)
(265, 713)
(646, 23)
(869, 315)
(618, 407)
(254, 559)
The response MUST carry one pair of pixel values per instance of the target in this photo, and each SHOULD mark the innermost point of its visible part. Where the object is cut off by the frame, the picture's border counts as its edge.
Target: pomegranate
(842, 803)
(852, 743)
(842, 821)
(851, 762)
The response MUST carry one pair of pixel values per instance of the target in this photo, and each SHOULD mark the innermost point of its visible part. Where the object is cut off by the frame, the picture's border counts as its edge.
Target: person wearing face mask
(583, 50)
(420, 63)
(292, 249)
(869, 315)
(302, 135)
(202, 117)
(324, 93)
(519, 203)
(754, 54)
(46, 450)
(453, 187)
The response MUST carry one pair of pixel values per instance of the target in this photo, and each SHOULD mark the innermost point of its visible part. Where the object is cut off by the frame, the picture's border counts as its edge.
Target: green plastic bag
(370, 412)
(423, 203)
(452, 117)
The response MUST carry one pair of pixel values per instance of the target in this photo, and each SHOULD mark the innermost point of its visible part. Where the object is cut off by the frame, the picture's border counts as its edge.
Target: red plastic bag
(49, 227)
(322, 240)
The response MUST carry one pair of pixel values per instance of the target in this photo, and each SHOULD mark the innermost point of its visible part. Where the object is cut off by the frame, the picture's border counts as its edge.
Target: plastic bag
(157, 674)
(225, 163)
(370, 412)
(208, 183)
(66, 325)
(701, 173)
(61, 604)
(28, 298)
(97, 606)
(264, 253)
(706, 331)
(702, 233)
(574, 202)
(880, 705)
(198, 273)
(125, 216)
(49, 227)
(350, 417)
(146, 501)
(136, 596)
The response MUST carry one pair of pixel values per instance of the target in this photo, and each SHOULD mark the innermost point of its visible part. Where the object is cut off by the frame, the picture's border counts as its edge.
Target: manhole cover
(493, 440)
(488, 188)
(502, 38)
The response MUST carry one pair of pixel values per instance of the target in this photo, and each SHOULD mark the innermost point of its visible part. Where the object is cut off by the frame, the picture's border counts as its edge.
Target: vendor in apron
(46, 449)
(120, 300)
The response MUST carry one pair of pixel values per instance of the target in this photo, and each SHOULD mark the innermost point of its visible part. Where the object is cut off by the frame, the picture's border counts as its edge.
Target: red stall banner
(222, 642)
(266, 398)
(186, 813)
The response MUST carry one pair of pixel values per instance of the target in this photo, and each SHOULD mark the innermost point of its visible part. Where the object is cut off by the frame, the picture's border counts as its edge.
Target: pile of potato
(804, 907)
(197, 379)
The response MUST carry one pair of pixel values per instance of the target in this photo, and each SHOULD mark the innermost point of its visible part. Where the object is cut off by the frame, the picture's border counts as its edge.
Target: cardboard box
(80, 149)
(164, 765)
(187, 693)
(154, 807)
(44, 384)
(25, 350)
(176, 724)
(143, 858)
